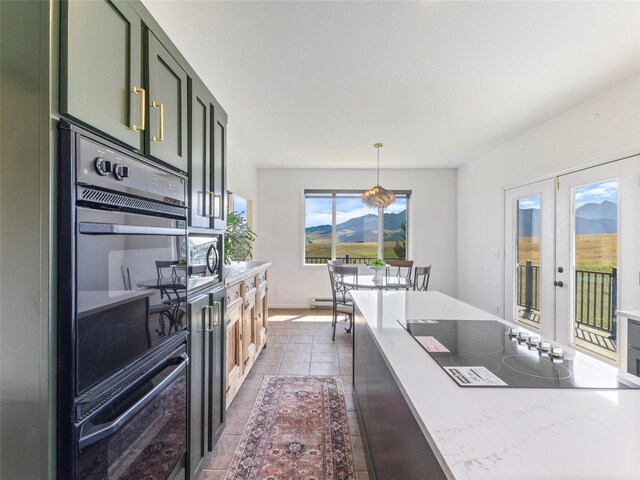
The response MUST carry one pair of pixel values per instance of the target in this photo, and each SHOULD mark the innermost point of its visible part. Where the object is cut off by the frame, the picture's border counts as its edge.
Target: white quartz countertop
(503, 433)
(239, 271)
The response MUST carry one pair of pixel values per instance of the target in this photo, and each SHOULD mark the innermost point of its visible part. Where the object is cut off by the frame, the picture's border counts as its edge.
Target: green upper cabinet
(219, 168)
(201, 157)
(101, 69)
(167, 106)
(207, 159)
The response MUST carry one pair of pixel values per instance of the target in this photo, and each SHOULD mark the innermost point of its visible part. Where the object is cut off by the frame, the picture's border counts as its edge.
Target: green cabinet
(167, 82)
(101, 68)
(201, 157)
(207, 167)
(219, 168)
(206, 387)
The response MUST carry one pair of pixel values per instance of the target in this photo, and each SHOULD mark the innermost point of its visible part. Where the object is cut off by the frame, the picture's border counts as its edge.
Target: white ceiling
(315, 84)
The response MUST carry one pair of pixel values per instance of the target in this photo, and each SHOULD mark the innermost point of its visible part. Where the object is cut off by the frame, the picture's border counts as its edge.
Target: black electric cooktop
(482, 353)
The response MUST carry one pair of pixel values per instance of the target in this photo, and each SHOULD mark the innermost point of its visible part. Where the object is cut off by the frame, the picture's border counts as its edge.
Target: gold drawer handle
(139, 91)
(160, 107)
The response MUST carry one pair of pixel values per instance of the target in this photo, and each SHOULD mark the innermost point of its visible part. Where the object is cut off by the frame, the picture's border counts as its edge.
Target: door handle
(141, 92)
(558, 284)
(110, 428)
(160, 108)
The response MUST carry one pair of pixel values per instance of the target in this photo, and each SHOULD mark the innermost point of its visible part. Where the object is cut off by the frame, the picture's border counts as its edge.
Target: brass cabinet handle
(141, 92)
(160, 107)
(216, 317)
(211, 196)
(218, 204)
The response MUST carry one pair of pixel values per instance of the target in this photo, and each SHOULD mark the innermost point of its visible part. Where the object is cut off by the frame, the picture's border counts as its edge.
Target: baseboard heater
(321, 302)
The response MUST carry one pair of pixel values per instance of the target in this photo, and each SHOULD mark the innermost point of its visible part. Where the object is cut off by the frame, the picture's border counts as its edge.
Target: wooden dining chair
(421, 278)
(342, 301)
(399, 268)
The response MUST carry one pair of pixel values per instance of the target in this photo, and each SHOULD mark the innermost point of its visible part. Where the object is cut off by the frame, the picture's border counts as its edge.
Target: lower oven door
(142, 433)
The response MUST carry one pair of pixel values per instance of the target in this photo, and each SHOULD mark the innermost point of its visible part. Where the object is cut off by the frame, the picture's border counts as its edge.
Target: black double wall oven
(122, 312)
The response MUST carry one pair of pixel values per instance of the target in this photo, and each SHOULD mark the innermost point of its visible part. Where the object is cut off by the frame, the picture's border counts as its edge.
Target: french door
(572, 256)
(597, 260)
(529, 256)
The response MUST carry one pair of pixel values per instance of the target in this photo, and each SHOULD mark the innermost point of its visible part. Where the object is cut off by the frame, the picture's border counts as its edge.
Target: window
(339, 226)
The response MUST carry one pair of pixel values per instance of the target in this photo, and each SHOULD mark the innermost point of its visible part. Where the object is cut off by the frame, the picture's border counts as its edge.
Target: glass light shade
(378, 197)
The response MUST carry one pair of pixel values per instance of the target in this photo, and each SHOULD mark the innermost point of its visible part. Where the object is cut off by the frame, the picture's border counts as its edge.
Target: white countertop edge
(631, 314)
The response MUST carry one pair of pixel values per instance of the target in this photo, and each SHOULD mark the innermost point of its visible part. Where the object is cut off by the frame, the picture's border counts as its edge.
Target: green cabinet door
(219, 168)
(167, 102)
(198, 311)
(217, 354)
(100, 54)
(200, 212)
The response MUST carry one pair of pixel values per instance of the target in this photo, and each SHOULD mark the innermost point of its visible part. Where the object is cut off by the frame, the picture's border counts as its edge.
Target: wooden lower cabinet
(247, 325)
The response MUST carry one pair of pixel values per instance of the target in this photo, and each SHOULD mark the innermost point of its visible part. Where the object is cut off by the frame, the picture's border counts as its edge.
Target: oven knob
(120, 171)
(103, 167)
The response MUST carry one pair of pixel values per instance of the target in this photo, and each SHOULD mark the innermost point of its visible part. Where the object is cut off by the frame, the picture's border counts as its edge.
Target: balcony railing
(595, 295)
(347, 259)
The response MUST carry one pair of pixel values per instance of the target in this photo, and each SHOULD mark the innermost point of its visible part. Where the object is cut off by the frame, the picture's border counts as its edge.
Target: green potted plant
(378, 266)
(239, 238)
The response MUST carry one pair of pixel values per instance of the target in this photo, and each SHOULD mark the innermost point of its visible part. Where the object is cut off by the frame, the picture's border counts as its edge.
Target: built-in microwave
(205, 260)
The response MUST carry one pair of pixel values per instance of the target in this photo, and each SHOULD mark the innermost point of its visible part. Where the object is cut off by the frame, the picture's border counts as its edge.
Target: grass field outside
(359, 249)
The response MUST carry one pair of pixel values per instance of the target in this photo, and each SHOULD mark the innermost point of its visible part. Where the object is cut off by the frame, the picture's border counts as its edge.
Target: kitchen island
(419, 424)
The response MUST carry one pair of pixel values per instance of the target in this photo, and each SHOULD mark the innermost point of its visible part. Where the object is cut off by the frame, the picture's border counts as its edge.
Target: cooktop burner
(483, 353)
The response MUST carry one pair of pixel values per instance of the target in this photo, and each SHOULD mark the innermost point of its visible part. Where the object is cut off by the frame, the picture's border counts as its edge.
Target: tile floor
(299, 344)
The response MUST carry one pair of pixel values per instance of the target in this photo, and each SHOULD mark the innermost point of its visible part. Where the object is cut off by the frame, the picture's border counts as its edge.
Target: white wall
(604, 127)
(432, 225)
(242, 179)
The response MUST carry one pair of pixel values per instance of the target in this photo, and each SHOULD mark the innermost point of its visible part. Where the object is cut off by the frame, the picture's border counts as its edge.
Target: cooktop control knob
(103, 167)
(120, 171)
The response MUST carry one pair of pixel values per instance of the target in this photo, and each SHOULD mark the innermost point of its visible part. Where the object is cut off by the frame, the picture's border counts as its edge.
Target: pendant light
(378, 197)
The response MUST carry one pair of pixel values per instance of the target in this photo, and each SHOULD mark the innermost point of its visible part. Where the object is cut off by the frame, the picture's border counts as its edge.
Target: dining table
(366, 282)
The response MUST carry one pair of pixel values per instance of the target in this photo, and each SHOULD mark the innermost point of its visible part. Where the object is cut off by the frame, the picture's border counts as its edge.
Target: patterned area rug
(298, 430)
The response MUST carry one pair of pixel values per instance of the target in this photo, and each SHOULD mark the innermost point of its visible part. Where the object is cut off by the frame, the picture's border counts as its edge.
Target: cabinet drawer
(634, 334)
(233, 293)
(248, 285)
(261, 278)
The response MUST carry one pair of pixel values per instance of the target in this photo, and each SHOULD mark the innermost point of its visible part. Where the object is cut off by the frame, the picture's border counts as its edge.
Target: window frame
(334, 194)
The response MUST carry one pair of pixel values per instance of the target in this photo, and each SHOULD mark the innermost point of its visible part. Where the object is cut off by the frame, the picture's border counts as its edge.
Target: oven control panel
(107, 167)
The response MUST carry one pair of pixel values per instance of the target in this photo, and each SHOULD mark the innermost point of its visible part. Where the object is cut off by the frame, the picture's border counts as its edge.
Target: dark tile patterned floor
(299, 344)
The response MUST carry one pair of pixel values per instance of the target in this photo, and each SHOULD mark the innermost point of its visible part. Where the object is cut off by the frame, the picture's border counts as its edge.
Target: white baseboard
(290, 306)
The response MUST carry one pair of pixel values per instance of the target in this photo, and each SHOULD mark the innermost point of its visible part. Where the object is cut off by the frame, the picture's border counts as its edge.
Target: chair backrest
(335, 262)
(126, 277)
(336, 276)
(163, 265)
(421, 278)
(399, 268)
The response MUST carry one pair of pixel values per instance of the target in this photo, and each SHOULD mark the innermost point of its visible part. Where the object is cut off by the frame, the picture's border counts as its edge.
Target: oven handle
(92, 228)
(110, 428)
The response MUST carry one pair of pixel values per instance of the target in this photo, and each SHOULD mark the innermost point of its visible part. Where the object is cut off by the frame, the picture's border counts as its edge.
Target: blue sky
(318, 210)
(593, 193)
(597, 193)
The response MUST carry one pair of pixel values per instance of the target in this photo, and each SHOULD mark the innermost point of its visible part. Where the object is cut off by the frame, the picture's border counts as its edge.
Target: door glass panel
(595, 262)
(356, 230)
(318, 213)
(528, 261)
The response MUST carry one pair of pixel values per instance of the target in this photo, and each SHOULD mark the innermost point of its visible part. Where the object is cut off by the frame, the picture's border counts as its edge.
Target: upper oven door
(129, 294)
